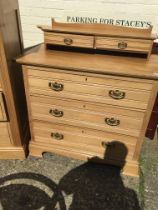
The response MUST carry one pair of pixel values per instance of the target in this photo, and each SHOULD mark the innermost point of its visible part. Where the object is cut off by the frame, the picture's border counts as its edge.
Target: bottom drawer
(5, 139)
(97, 143)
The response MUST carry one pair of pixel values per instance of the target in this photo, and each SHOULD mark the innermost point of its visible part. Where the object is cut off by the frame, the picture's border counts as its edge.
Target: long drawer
(100, 144)
(110, 91)
(3, 115)
(98, 117)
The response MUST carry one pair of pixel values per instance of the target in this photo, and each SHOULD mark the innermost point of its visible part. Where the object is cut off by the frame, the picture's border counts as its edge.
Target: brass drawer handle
(57, 136)
(68, 41)
(117, 94)
(108, 144)
(122, 45)
(112, 121)
(56, 113)
(56, 86)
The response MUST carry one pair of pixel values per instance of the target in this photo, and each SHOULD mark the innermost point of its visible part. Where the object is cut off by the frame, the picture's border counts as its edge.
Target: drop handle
(56, 112)
(112, 121)
(122, 45)
(57, 136)
(56, 86)
(68, 41)
(117, 94)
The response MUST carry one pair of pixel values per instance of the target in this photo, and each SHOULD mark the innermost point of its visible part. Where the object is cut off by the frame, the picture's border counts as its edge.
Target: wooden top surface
(94, 63)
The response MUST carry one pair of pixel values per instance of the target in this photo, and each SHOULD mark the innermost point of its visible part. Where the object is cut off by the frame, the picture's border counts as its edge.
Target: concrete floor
(55, 182)
(149, 175)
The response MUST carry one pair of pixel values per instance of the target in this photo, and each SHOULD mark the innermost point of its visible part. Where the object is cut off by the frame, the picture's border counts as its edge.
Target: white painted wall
(38, 12)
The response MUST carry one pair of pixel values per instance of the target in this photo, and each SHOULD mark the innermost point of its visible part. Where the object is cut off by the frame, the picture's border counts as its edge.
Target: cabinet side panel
(146, 120)
(11, 46)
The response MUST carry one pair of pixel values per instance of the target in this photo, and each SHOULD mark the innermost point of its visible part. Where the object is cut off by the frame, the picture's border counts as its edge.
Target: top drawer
(132, 45)
(69, 40)
(109, 90)
(3, 116)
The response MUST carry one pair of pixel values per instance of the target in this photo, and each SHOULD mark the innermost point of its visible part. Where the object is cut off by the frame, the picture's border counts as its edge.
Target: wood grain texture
(86, 118)
(84, 102)
(103, 36)
(131, 44)
(12, 153)
(5, 135)
(69, 39)
(11, 77)
(90, 144)
(94, 137)
(93, 63)
(99, 29)
(86, 78)
(130, 168)
(146, 121)
(3, 114)
(89, 91)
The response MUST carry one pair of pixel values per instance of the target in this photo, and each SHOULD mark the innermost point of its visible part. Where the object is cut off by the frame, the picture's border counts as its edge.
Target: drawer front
(69, 40)
(83, 140)
(5, 138)
(54, 111)
(134, 45)
(3, 116)
(115, 95)
(121, 82)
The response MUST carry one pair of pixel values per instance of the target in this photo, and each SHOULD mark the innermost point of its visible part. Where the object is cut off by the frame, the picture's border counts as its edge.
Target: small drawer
(3, 115)
(112, 91)
(107, 119)
(69, 40)
(84, 140)
(121, 44)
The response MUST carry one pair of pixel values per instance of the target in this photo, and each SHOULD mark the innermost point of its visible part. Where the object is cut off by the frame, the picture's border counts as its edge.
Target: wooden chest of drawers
(89, 106)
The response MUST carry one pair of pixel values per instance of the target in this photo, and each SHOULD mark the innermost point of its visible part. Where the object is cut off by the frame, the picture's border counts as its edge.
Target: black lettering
(77, 19)
(101, 20)
(117, 22)
(132, 23)
(73, 19)
(138, 24)
(95, 20)
(68, 19)
(82, 19)
(111, 21)
(142, 23)
(149, 24)
(121, 22)
(126, 23)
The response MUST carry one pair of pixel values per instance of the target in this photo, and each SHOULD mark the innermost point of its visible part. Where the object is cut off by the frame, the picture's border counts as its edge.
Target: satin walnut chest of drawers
(89, 106)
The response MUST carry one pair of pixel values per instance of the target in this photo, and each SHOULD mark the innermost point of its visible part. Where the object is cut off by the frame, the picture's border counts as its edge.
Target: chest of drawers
(89, 106)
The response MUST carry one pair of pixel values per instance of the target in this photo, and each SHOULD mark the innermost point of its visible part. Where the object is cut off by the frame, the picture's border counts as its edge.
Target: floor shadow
(91, 186)
(100, 187)
(17, 194)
